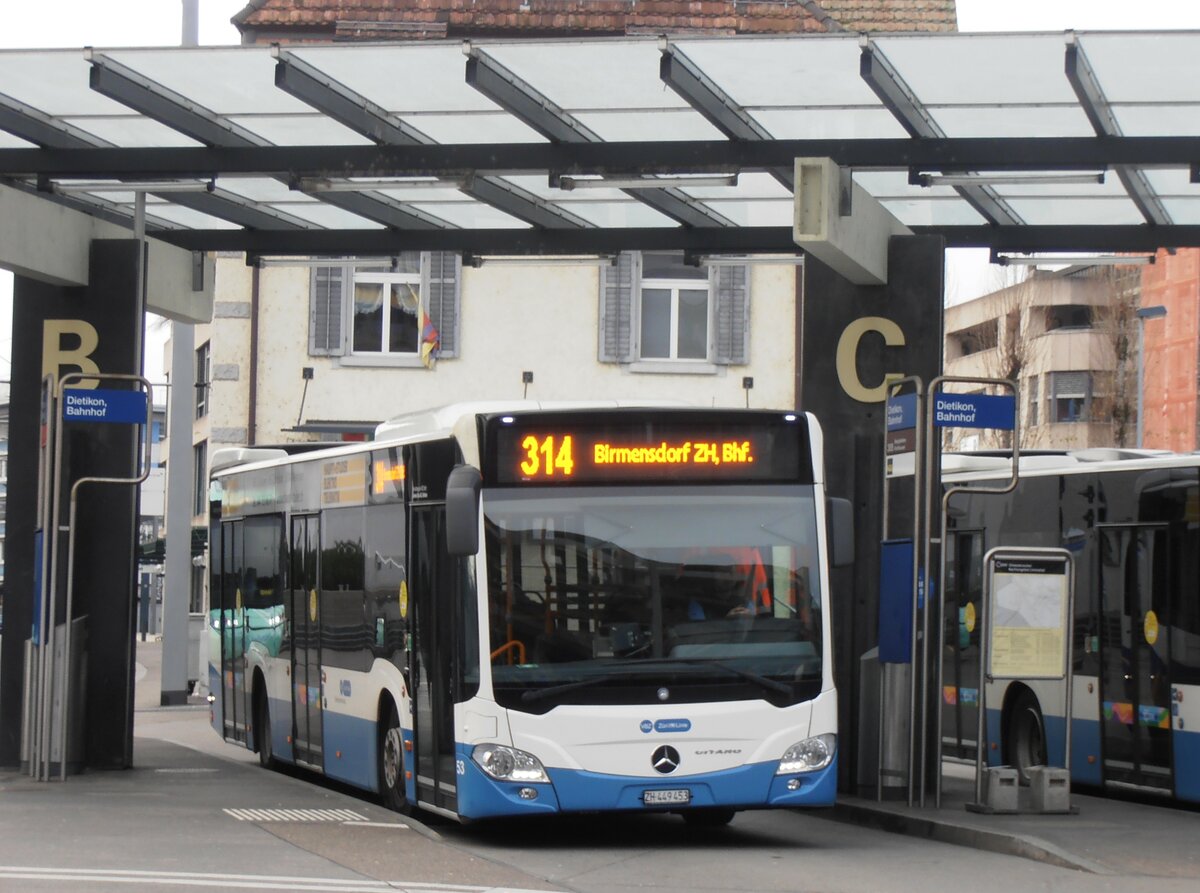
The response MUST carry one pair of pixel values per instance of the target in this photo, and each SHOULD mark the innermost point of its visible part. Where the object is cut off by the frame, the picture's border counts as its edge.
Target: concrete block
(1000, 788)
(1049, 789)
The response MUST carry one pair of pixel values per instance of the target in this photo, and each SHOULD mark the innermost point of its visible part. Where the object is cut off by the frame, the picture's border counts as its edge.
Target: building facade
(1172, 349)
(1070, 341)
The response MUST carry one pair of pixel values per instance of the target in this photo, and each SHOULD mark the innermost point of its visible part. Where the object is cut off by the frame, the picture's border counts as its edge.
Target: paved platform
(192, 795)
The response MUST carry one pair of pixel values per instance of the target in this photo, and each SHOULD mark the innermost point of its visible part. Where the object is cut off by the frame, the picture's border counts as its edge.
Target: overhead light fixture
(1008, 179)
(571, 183)
(358, 263)
(76, 187)
(731, 260)
(357, 184)
(560, 260)
(1080, 260)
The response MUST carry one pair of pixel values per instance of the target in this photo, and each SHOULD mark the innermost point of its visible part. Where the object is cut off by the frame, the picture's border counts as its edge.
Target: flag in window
(430, 340)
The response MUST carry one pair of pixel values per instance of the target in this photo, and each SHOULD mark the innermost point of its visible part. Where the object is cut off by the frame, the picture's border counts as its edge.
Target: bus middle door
(1135, 707)
(432, 657)
(306, 640)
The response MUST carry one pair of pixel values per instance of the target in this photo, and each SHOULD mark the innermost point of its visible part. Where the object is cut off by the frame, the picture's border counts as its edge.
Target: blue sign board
(902, 412)
(974, 411)
(99, 405)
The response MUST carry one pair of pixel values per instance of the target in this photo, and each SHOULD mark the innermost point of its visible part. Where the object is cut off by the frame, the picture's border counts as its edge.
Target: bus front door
(306, 640)
(432, 659)
(231, 623)
(1135, 708)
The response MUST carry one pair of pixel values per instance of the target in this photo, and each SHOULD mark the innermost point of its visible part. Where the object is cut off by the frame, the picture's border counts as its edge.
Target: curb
(977, 838)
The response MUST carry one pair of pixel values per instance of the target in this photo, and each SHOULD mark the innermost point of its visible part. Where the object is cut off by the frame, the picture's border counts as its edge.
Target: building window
(674, 309)
(387, 310)
(1032, 418)
(1069, 316)
(200, 479)
(1072, 396)
(666, 316)
(973, 340)
(203, 368)
(405, 316)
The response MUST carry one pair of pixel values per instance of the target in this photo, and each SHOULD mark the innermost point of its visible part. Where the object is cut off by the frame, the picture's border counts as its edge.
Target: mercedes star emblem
(665, 759)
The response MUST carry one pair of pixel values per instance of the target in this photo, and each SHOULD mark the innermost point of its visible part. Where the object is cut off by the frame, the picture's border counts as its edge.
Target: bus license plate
(660, 797)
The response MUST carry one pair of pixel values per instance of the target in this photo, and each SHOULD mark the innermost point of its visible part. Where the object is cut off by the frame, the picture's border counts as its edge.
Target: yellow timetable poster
(1029, 599)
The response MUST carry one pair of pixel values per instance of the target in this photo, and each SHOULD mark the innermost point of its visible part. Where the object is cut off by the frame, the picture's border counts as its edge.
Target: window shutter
(445, 299)
(732, 315)
(618, 285)
(325, 312)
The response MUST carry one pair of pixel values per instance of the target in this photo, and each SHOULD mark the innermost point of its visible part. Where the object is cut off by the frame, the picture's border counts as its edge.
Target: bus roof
(969, 466)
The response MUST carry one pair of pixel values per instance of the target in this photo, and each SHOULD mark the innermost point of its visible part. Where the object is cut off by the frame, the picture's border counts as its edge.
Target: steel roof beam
(30, 124)
(353, 110)
(156, 101)
(1099, 112)
(348, 107)
(882, 77)
(629, 158)
(530, 106)
(710, 240)
(699, 91)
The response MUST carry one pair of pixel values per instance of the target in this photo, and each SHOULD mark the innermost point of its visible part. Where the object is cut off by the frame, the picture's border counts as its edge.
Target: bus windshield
(617, 594)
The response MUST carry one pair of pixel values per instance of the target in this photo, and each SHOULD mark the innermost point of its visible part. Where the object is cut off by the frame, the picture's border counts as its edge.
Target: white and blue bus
(520, 610)
(1132, 521)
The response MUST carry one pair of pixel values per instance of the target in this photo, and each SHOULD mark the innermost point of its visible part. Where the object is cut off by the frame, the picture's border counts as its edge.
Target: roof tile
(355, 18)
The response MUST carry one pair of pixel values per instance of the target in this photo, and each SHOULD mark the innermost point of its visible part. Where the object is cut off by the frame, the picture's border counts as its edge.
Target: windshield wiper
(534, 695)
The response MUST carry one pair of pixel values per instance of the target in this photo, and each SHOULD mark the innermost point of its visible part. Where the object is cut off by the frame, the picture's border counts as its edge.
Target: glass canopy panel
(1152, 120)
(188, 218)
(1111, 187)
(54, 82)
(766, 212)
(300, 130)
(8, 141)
(1155, 67)
(481, 127)
(1077, 211)
(815, 70)
(1172, 182)
(325, 215)
(981, 69)
(262, 189)
(245, 86)
(470, 215)
(612, 75)
(617, 214)
(934, 212)
(649, 125)
(1012, 120)
(447, 193)
(830, 124)
(402, 78)
(131, 132)
(1184, 211)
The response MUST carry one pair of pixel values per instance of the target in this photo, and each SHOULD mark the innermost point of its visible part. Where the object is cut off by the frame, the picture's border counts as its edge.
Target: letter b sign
(67, 346)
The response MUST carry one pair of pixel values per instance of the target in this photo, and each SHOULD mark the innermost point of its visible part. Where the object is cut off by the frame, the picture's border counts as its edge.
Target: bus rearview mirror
(462, 511)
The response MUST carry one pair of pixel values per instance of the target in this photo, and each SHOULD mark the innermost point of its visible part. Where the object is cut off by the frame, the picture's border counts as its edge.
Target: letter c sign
(847, 357)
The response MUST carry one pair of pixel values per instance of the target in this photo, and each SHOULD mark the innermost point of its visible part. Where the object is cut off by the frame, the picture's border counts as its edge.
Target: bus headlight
(808, 755)
(508, 764)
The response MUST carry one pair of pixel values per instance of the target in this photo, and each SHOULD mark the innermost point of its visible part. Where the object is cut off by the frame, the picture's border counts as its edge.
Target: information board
(1029, 613)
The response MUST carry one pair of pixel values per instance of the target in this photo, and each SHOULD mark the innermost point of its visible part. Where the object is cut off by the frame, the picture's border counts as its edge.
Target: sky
(115, 23)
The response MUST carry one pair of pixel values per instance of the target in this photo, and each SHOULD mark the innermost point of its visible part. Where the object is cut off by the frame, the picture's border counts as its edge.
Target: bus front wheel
(1025, 741)
(391, 762)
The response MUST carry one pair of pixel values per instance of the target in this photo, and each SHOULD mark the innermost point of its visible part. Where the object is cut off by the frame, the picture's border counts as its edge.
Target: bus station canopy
(1084, 141)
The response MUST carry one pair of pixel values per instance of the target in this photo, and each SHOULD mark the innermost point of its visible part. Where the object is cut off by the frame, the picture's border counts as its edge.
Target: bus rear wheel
(708, 818)
(391, 762)
(1025, 738)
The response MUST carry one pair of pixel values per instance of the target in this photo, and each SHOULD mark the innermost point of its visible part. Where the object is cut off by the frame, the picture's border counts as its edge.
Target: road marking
(295, 815)
(241, 881)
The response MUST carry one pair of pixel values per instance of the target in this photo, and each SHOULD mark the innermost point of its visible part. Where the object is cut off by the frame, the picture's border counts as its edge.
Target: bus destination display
(548, 450)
